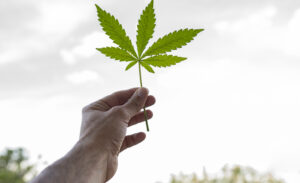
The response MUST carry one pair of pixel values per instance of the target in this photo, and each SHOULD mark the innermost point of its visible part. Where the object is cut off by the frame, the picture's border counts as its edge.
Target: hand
(104, 123)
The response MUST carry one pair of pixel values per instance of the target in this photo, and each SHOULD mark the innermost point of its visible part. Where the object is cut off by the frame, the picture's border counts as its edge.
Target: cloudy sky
(234, 101)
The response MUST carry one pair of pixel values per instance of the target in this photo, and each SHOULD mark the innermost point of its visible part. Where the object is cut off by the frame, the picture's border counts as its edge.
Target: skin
(94, 158)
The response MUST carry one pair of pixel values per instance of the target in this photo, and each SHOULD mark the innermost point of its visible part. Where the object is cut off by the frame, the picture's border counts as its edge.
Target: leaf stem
(141, 84)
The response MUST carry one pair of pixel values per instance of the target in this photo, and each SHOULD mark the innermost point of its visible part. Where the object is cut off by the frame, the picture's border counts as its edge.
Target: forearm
(83, 164)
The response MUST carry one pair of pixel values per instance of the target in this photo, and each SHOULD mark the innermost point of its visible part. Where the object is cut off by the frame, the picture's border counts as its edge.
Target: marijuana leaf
(130, 65)
(172, 41)
(147, 67)
(114, 30)
(116, 53)
(163, 60)
(145, 28)
(155, 55)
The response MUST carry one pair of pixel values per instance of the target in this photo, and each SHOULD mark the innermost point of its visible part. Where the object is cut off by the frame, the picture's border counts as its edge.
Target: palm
(103, 116)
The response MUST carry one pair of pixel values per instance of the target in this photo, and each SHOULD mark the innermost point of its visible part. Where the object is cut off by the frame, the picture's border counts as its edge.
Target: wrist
(81, 164)
(88, 152)
(91, 147)
(88, 160)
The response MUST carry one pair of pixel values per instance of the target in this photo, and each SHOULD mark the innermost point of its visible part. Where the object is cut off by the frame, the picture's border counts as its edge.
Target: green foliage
(145, 31)
(131, 64)
(114, 30)
(116, 53)
(172, 41)
(163, 60)
(147, 67)
(14, 166)
(145, 28)
(236, 174)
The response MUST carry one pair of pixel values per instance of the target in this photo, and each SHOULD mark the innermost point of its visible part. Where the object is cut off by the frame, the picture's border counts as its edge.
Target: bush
(14, 166)
(235, 174)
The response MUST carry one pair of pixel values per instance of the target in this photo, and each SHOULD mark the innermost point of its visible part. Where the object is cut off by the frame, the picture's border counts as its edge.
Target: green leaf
(116, 53)
(147, 67)
(145, 28)
(114, 30)
(172, 41)
(130, 65)
(163, 60)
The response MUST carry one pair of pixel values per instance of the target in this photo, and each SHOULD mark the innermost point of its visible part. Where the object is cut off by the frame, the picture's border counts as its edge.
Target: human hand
(105, 122)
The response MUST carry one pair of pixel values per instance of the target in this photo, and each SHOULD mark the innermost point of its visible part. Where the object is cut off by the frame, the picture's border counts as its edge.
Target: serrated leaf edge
(131, 48)
(147, 67)
(141, 27)
(99, 49)
(130, 65)
(146, 53)
(147, 61)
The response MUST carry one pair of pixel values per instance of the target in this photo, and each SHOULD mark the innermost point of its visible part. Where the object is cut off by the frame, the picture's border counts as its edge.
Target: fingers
(132, 140)
(150, 101)
(140, 117)
(119, 97)
(136, 102)
(115, 99)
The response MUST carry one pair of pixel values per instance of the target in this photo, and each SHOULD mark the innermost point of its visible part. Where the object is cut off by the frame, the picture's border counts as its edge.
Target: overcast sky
(234, 101)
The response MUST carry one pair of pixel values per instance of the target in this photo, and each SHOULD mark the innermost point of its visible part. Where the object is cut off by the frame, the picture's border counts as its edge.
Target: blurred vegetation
(235, 174)
(15, 166)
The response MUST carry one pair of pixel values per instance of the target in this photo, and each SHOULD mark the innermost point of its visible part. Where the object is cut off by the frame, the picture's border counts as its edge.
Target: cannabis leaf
(116, 53)
(147, 67)
(163, 60)
(114, 30)
(131, 64)
(145, 28)
(172, 41)
(155, 55)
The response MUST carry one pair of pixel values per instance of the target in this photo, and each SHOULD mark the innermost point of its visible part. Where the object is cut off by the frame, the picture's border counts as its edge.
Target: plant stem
(141, 83)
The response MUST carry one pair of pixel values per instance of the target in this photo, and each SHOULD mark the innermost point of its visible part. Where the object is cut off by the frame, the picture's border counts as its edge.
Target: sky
(234, 101)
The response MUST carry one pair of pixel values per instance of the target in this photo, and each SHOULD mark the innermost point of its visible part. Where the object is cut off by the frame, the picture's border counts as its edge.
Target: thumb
(137, 101)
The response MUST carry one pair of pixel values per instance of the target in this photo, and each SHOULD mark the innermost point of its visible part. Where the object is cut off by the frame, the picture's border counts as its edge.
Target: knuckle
(85, 109)
(136, 105)
(120, 111)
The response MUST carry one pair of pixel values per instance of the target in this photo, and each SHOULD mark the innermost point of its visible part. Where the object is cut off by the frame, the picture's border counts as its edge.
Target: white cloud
(17, 49)
(9, 56)
(58, 18)
(292, 41)
(259, 32)
(252, 23)
(50, 23)
(82, 77)
(86, 48)
(254, 32)
(36, 123)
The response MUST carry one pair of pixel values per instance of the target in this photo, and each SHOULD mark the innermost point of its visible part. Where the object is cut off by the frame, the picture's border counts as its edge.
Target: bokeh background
(234, 101)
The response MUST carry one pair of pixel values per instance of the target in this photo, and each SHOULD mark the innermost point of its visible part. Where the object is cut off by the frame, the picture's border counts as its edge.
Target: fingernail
(142, 92)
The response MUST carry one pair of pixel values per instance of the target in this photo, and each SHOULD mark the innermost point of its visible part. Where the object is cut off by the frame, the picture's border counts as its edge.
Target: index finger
(114, 99)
